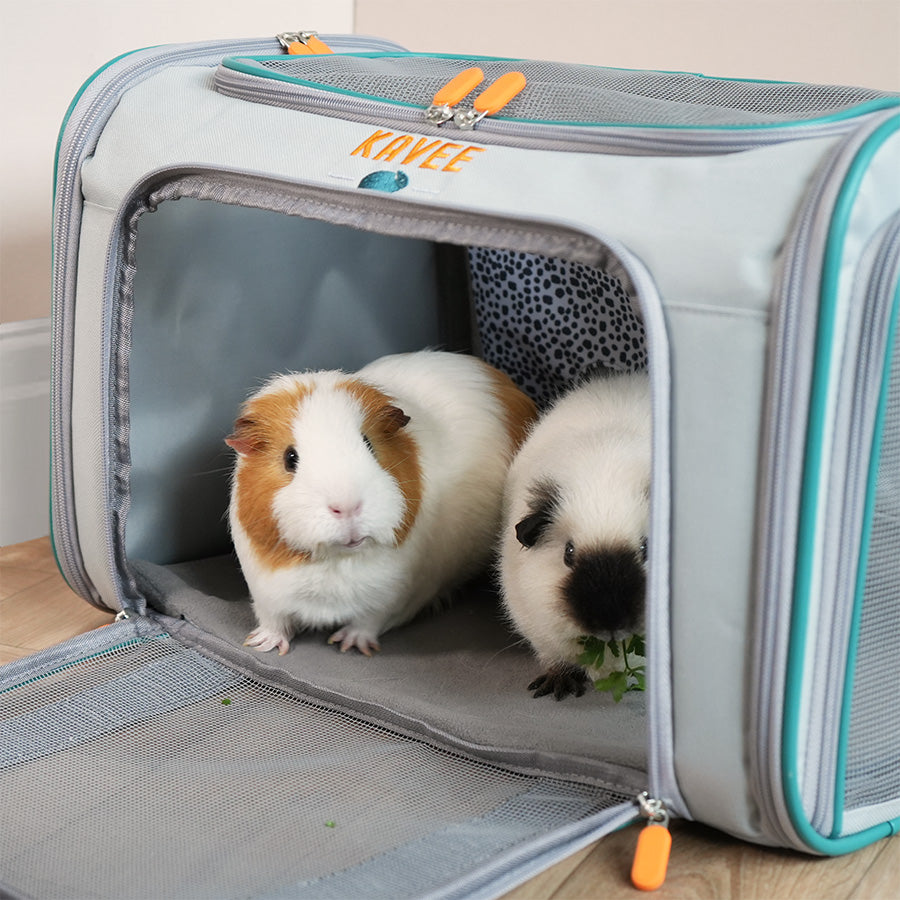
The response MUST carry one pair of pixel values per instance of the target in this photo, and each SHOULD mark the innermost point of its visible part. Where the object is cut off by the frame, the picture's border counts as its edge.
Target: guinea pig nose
(345, 510)
(605, 590)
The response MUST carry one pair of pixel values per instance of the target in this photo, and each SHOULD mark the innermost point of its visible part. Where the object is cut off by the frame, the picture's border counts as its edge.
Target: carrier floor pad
(457, 675)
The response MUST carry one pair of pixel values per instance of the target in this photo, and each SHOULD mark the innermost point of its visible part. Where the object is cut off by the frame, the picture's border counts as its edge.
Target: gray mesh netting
(561, 92)
(146, 770)
(873, 758)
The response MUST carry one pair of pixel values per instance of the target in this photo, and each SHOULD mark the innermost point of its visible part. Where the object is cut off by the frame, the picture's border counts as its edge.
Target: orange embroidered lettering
(461, 157)
(366, 147)
(419, 150)
(395, 147)
(407, 149)
(442, 152)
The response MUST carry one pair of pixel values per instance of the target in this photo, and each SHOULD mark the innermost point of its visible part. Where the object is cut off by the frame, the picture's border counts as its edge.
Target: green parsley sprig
(629, 676)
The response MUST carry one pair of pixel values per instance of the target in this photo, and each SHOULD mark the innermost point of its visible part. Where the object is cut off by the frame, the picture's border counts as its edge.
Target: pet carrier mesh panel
(872, 764)
(167, 774)
(569, 93)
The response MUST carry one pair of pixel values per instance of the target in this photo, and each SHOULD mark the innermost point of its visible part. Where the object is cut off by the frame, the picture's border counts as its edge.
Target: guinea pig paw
(560, 680)
(349, 637)
(262, 641)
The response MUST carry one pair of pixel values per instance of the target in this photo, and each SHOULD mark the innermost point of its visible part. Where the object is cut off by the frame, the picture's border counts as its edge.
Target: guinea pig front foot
(263, 640)
(560, 680)
(350, 636)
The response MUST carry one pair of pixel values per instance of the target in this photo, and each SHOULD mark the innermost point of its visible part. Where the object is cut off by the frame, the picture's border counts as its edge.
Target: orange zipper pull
(303, 43)
(651, 856)
(492, 100)
(459, 87)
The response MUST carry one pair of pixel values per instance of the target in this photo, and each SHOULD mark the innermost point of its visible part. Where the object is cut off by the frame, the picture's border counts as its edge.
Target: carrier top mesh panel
(559, 92)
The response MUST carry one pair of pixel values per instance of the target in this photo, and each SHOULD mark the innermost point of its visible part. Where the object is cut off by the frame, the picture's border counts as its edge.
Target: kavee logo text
(408, 150)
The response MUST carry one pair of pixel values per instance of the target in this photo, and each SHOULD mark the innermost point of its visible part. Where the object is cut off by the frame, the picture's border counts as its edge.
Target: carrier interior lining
(221, 296)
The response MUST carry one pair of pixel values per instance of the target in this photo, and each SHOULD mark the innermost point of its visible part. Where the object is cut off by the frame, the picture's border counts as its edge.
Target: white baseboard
(24, 430)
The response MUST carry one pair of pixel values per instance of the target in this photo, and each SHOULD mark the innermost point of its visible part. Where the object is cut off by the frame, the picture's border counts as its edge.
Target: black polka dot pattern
(549, 322)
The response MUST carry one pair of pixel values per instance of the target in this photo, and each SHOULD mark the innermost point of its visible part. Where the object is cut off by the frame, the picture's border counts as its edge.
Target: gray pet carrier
(740, 239)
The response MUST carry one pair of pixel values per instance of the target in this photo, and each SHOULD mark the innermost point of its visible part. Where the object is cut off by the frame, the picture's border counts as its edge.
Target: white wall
(48, 48)
(828, 41)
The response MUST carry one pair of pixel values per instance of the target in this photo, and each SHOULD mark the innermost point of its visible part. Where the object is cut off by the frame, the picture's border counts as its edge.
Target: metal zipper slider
(455, 90)
(303, 43)
(651, 856)
(492, 100)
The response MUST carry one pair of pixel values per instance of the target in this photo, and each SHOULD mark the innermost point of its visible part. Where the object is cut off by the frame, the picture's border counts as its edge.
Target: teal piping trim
(237, 64)
(131, 642)
(865, 544)
(808, 508)
(77, 97)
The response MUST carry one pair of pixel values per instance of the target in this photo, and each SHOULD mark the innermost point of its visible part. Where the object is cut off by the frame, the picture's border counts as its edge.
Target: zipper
(303, 43)
(81, 127)
(781, 789)
(492, 100)
(244, 78)
(651, 855)
(443, 105)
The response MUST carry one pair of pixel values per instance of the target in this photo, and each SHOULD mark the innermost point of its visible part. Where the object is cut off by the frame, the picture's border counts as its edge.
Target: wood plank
(708, 865)
(36, 554)
(45, 614)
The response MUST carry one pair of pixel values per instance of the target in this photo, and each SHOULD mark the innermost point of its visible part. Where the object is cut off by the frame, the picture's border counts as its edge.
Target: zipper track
(307, 96)
(81, 127)
(775, 770)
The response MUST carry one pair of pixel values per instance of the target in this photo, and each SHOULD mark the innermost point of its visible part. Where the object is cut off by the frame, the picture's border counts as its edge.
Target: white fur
(357, 576)
(595, 444)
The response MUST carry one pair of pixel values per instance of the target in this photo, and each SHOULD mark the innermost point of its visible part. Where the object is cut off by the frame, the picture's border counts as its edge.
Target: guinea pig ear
(246, 439)
(531, 529)
(392, 419)
(543, 504)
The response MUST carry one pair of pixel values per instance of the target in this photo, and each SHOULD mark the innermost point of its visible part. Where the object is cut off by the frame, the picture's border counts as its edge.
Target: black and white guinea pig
(358, 499)
(576, 515)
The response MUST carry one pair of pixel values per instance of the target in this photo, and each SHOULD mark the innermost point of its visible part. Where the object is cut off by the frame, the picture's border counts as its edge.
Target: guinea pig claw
(264, 641)
(560, 680)
(350, 637)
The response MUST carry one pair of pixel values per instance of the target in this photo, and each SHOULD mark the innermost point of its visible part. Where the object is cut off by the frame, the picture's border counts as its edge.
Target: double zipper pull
(492, 100)
(441, 109)
(303, 43)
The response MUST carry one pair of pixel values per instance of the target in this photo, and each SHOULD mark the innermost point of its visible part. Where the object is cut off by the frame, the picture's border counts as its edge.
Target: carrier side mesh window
(873, 757)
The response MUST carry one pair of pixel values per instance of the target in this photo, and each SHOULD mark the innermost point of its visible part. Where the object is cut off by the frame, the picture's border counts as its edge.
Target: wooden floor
(37, 610)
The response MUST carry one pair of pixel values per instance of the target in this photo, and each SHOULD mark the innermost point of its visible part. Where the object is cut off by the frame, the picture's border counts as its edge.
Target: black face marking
(605, 590)
(543, 505)
(291, 458)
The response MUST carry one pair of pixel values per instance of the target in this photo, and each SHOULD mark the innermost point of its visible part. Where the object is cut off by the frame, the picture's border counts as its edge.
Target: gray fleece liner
(458, 676)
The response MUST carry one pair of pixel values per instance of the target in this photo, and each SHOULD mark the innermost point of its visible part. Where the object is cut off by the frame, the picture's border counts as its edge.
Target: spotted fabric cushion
(549, 322)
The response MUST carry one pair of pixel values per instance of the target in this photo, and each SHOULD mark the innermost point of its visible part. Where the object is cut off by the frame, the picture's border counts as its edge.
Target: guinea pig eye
(642, 549)
(569, 554)
(291, 458)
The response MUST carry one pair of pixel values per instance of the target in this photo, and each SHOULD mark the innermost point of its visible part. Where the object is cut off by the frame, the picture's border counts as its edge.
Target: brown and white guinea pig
(576, 515)
(358, 499)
